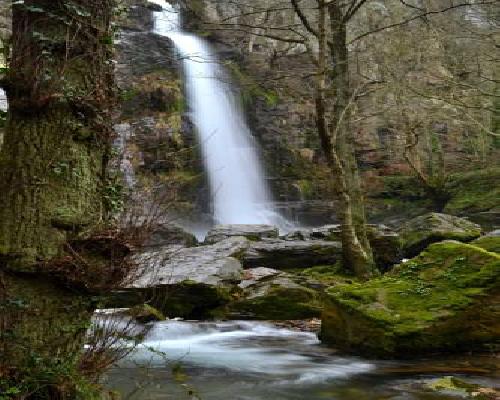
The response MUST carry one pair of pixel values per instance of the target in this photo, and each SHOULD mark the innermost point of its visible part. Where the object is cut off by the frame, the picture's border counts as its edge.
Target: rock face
(251, 232)
(419, 232)
(282, 254)
(273, 295)
(386, 244)
(444, 300)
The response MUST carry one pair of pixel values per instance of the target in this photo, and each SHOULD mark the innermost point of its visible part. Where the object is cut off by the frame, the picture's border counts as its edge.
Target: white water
(249, 348)
(239, 191)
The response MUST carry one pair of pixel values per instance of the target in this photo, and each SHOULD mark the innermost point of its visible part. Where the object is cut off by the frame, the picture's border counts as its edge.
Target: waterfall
(239, 191)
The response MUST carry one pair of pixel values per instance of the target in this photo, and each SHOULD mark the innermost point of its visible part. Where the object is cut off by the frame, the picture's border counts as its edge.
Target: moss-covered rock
(274, 296)
(444, 300)
(189, 299)
(419, 232)
(458, 387)
(145, 313)
(475, 193)
(489, 243)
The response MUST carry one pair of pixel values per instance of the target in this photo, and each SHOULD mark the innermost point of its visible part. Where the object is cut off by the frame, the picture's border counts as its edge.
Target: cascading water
(240, 194)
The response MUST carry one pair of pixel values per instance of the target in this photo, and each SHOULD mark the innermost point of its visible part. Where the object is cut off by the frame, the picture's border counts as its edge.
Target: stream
(244, 360)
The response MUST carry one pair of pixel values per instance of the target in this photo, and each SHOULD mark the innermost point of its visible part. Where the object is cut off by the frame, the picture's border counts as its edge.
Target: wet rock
(419, 232)
(189, 282)
(273, 295)
(282, 254)
(450, 385)
(444, 300)
(327, 232)
(154, 7)
(210, 265)
(386, 243)
(255, 275)
(251, 232)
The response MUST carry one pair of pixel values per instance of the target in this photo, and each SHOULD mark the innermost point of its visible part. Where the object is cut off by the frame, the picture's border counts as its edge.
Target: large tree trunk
(53, 158)
(52, 175)
(345, 144)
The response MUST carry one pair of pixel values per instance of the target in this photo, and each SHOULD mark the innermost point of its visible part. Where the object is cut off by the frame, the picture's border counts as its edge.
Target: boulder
(490, 242)
(144, 313)
(282, 254)
(210, 265)
(273, 295)
(444, 300)
(251, 232)
(419, 232)
(188, 282)
(386, 244)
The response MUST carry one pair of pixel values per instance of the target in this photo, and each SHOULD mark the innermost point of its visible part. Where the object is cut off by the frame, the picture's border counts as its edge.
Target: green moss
(189, 299)
(474, 192)
(325, 274)
(489, 243)
(424, 304)
(42, 336)
(419, 232)
(145, 313)
(279, 303)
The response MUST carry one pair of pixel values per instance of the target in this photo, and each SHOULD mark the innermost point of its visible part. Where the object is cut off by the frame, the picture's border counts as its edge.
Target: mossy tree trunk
(53, 159)
(337, 144)
(357, 250)
(52, 179)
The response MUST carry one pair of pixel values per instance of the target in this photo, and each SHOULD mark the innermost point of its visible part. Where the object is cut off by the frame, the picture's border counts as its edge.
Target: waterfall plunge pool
(248, 360)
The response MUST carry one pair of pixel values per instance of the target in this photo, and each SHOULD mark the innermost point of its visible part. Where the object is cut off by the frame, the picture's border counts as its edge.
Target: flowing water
(259, 361)
(238, 187)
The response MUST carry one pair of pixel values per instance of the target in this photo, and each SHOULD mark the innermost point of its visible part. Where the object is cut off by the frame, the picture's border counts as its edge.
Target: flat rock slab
(251, 232)
(282, 254)
(255, 275)
(215, 264)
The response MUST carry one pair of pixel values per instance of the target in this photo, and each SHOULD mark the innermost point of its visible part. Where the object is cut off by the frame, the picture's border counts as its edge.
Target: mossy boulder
(273, 295)
(419, 232)
(490, 242)
(192, 300)
(475, 194)
(145, 313)
(444, 300)
(450, 385)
